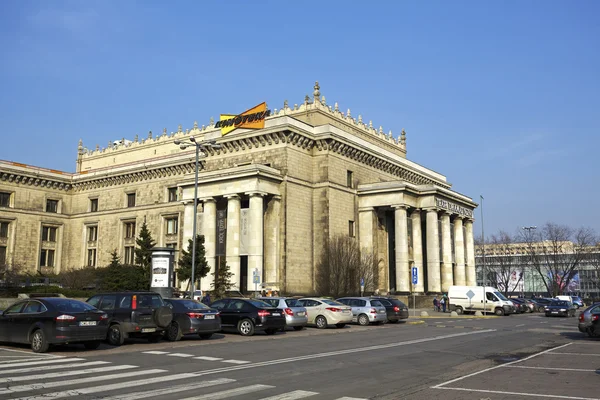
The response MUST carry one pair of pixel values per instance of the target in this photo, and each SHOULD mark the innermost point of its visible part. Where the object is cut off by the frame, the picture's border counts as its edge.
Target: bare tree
(502, 261)
(593, 262)
(342, 266)
(556, 252)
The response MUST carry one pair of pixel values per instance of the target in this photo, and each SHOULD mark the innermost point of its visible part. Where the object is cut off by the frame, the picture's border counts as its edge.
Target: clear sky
(501, 97)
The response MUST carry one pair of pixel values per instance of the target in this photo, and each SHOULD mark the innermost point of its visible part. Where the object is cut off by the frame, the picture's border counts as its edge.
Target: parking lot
(567, 371)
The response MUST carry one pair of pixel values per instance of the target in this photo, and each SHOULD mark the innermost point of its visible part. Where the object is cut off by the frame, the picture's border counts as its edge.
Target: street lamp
(204, 145)
(483, 259)
(528, 229)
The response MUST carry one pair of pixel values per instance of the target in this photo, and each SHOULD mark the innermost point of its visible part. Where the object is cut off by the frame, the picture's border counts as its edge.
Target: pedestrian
(263, 293)
(443, 303)
(436, 306)
(206, 299)
(276, 294)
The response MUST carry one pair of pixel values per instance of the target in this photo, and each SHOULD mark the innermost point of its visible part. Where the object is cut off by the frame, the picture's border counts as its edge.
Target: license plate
(300, 314)
(346, 311)
(144, 330)
(276, 314)
(554, 312)
(87, 323)
(381, 312)
(209, 317)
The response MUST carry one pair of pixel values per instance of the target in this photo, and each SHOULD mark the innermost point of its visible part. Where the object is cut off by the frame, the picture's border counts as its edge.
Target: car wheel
(270, 331)
(541, 309)
(92, 345)
(363, 320)
(173, 332)
(298, 328)
(115, 335)
(39, 343)
(499, 312)
(321, 322)
(340, 325)
(163, 316)
(245, 327)
(205, 335)
(459, 310)
(393, 321)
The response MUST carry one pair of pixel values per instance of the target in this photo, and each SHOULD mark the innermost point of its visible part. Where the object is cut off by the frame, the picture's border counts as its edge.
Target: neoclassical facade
(268, 200)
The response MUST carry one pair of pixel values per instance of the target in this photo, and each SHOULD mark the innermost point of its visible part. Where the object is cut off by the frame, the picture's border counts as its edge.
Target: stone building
(269, 199)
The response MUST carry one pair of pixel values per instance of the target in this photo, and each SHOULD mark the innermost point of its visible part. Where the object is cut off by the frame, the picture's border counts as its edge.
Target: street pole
(194, 227)
(528, 229)
(483, 260)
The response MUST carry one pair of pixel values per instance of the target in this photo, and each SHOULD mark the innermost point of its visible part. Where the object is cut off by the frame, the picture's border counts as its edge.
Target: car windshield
(259, 303)
(331, 302)
(72, 306)
(500, 296)
(560, 303)
(576, 298)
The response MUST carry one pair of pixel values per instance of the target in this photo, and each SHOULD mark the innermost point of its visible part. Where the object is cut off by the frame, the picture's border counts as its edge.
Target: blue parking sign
(415, 275)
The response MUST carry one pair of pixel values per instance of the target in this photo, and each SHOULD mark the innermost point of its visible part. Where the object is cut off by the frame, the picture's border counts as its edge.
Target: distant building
(269, 200)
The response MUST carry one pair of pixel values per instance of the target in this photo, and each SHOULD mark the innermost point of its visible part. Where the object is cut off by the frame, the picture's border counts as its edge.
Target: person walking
(443, 303)
(206, 299)
(436, 304)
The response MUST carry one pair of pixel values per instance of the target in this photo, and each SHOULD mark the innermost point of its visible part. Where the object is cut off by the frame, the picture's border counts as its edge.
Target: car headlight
(563, 309)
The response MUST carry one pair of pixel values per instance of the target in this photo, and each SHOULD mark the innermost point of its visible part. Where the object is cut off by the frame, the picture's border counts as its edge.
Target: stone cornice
(32, 176)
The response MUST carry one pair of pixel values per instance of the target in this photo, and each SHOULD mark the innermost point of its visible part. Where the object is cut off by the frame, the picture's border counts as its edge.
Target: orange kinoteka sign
(253, 118)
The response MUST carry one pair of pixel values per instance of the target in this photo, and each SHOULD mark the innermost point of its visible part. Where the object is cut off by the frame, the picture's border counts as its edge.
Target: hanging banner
(244, 231)
(253, 118)
(221, 232)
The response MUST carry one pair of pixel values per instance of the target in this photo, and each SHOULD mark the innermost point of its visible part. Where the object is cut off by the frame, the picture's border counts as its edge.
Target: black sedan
(53, 320)
(560, 308)
(247, 316)
(190, 317)
(396, 310)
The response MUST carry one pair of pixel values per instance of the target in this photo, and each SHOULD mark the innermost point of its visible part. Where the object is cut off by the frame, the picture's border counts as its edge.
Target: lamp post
(528, 229)
(199, 146)
(483, 259)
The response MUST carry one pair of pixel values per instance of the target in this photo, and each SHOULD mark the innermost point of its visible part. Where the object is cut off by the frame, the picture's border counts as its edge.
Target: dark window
(4, 199)
(129, 230)
(93, 205)
(91, 262)
(47, 258)
(52, 206)
(15, 308)
(219, 305)
(172, 194)
(2, 255)
(92, 233)
(350, 179)
(33, 307)
(3, 229)
(48, 234)
(351, 231)
(94, 301)
(292, 303)
(108, 302)
(376, 303)
(125, 302)
(237, 305)
(385, 303)
(130, 199)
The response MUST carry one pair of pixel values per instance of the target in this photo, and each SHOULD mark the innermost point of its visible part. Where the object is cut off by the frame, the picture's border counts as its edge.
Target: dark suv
(133, 314)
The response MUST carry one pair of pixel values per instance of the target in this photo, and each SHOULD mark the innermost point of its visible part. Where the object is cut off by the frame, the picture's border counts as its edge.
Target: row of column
(233, 235)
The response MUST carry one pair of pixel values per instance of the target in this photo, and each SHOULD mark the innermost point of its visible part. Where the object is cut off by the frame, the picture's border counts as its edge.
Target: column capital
(255, 193)
(446, 214)
(430, 209)
(276, 197)
(186, 202)
(469, 220)
(400, 206)
(233, 196)
(207, 199)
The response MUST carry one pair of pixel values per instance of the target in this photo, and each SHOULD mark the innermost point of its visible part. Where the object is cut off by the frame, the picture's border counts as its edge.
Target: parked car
(326, 312)
(365, 310)
(396, 310)
(522, 306)
(577, 302)
(595, 328)
(56, 320)
(295, 314)
(133, 314)
(190, 317)
(247, 316)
(560, 308)
(541, 303)
(586, 323)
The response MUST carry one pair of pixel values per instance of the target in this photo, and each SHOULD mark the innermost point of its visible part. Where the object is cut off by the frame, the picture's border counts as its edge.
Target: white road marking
(114, 386)
(156, 352)
(31, 354)
(53, 361)
(21, 360)
(296, 394)
(231, 392)
(546, 396)
(440, 386)
(38, 386)
(70, 373)
(573, 354)
(206, 358)
(516, 326)
(553, 369)
(169, 390)
(347, 398)
(47, 367)
(180, 354)
(235, 361)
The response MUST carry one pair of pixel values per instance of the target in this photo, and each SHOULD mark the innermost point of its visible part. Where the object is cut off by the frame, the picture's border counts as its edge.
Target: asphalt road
(513, 357)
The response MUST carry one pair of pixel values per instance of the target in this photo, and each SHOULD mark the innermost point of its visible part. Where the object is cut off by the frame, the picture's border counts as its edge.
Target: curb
(459, 317)
(414, 322)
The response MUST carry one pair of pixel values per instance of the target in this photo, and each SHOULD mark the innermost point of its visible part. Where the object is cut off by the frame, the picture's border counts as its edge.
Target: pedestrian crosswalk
(193, 356)
(62, 377)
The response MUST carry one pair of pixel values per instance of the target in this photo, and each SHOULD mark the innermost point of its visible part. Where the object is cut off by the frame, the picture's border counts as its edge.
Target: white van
(471, 298)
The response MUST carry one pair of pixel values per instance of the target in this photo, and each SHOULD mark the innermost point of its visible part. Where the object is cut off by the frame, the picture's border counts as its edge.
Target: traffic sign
(255, 276)
(415, 275)
(362, 281)
(470, 294)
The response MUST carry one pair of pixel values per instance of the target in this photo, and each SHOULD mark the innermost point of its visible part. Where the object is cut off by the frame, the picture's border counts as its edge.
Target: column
(366, 219)
(415, 216)
(256, 239)
(459, 253)
(433, 252)
(470, 268)
(271, 248)
(209, 230)
(447, 276)
(232, 251)
(401, 251)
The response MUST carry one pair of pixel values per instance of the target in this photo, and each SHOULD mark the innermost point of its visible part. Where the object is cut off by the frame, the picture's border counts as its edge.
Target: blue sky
(501, 97)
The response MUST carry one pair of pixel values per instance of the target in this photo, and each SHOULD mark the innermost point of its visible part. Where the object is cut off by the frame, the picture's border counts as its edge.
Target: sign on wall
(253, 118)
(221, 232)
(453, 207)
(244, 231)
(160, 272)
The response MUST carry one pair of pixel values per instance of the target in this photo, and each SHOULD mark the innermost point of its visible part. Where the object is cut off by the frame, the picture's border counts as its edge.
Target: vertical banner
(244, 231)
(221, 232)
(410, 239)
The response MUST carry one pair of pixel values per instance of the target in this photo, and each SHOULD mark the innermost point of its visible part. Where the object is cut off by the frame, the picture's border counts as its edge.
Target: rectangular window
(91, 259)
(52, 206)
(4, 199)
(3, 229)
(93, 205)
(47, 258)
(172, 194)
(129, 255)
(92, 233)
(48, 234)
(2, 255)
(172, 226)
(350, 179)
(351, 228)
(129, 230)
(130, 199)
